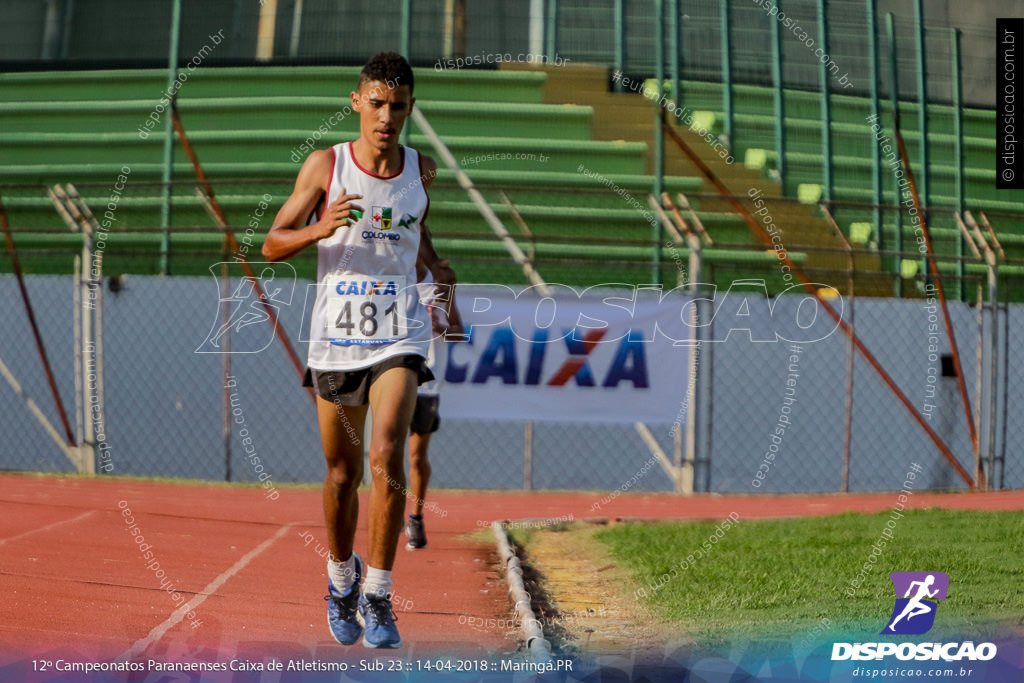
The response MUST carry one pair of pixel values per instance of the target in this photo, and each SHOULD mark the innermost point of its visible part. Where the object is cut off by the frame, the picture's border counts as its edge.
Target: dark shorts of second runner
(425, 418)
(352, 387)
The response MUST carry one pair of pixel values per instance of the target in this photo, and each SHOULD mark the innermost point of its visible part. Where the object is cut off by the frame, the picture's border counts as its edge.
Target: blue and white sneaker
(342, 608)
(377, 615)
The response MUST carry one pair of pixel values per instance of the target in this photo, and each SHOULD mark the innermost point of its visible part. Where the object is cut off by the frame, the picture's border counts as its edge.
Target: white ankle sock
(342, 574)
(377, 582)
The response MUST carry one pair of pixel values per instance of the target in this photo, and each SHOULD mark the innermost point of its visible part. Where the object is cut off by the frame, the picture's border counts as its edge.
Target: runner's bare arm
(455, 327)
(289, 234)
(440, 268)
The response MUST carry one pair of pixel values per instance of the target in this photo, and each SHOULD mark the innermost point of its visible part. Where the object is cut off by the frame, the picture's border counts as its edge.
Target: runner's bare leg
(419, 469)
(392, 400)
(341, 432)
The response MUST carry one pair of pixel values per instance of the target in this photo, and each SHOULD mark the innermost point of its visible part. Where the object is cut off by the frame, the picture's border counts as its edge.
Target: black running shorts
(425, 419)
(352, 387)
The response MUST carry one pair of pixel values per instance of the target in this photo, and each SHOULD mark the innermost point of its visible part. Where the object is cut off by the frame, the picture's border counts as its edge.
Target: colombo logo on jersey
(917, 600)
(381, 217)
(381, 221)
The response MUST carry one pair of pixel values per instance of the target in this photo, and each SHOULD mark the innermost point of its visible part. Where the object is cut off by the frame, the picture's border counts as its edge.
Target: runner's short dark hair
(389, 68)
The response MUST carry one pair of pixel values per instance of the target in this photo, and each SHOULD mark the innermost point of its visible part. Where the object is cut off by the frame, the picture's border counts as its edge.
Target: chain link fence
(813, 416)
(570, 188)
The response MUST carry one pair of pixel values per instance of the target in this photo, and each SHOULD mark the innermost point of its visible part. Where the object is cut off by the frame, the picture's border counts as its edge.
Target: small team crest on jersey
(408, 220)
(381, 217)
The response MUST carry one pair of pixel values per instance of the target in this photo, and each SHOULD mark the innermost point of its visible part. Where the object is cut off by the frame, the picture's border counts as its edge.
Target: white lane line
(157, 633)
(48, 526)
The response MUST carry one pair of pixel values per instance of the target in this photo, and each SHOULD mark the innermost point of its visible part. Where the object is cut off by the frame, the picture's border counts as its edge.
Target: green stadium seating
(583, 199)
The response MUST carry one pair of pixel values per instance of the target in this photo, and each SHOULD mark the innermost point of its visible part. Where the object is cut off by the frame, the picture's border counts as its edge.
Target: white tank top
(367, 306)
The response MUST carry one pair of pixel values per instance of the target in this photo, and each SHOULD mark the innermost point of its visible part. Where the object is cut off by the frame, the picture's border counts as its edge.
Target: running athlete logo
(381, 217)
(244, 307)
(914, 612)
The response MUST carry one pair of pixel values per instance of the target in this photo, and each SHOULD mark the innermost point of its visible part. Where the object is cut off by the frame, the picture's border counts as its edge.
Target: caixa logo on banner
(500, 358)
(918, 595)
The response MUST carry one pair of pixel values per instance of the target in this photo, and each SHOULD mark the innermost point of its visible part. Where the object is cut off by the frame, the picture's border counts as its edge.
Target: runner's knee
(386, 459)
(345, 475)
(418, 461)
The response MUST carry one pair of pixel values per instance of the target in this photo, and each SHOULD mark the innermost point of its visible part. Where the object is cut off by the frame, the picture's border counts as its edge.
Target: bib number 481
(366, 311)
(368, 325)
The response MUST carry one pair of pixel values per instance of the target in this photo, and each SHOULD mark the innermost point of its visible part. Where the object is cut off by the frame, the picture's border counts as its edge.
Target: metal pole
(168, 171)
(81, 400)
(225, 312)
(65, 27)
(459, 36)
(674, 54)
(619, 21)
(851, 292)
(677, 454)
(536, 30)
(876, 111)
(528, 456)
(552, 30)
(52, 30)
(88, 462)
(448, 36)
(727, 73)
(266, 30)
(979, 374)
(993, 369)
(894, 95)
(922, 113)
(406, 27)
(826, 104)
(958, 163)
(659, 77)
(780, 101)
(706, 379)
(848, 439)
(404, 41)
(686, 471)
(293, 46)
(1006, 391)
(101, 415)
(659, 133)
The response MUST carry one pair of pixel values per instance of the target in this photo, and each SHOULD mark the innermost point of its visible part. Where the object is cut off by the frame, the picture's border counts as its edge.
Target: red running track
(248, 572)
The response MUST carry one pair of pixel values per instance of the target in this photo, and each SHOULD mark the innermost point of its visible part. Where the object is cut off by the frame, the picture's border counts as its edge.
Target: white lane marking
(48, 526)
(158, 632)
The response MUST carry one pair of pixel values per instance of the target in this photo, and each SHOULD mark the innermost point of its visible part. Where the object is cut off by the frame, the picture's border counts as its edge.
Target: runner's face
(382, 112)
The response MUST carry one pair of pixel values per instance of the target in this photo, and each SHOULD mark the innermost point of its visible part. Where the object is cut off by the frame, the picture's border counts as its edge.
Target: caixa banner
(602, 355)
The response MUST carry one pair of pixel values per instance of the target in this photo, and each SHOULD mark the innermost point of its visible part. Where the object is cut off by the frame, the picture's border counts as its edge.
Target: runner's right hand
(339, 214)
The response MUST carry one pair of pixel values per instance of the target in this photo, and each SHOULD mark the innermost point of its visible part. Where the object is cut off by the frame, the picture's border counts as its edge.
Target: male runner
(446, 321)
(363, 204)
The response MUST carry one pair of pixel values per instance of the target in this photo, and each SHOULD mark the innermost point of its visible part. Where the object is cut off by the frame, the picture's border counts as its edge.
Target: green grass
(783, 577)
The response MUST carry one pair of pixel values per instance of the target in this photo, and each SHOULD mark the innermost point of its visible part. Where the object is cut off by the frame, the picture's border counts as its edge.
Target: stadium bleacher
(551, 148)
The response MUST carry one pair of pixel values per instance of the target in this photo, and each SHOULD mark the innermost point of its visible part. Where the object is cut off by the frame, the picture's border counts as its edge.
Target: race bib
(365, 310)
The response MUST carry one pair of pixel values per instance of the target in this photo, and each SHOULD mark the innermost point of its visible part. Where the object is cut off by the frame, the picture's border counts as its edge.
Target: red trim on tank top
(401, 166)
(423, 221)
(327, 197)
